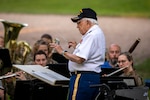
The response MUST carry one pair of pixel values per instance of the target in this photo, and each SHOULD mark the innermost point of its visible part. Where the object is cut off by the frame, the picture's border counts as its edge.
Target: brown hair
(37, 44)
(48, 36)
(40, 52)
(128, 55)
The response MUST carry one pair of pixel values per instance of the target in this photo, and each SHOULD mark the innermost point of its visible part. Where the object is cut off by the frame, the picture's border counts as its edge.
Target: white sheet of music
(44, 74)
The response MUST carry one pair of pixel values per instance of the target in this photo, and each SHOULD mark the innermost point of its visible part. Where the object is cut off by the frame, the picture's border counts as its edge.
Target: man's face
(113, 53)
(82, 26)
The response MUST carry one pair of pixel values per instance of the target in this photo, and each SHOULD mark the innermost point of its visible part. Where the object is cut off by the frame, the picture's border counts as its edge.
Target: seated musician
(1, 86)
(40, 45)
(53, 56)
(40, 58)
(112, 56)
(1, 91)
(125, 60)
(125, 63)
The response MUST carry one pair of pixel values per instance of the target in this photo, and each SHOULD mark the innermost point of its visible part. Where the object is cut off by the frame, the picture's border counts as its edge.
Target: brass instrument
(23, 49)
(11, 34)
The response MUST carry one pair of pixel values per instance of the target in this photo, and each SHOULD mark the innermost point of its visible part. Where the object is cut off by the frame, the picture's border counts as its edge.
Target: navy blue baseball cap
(85, 13)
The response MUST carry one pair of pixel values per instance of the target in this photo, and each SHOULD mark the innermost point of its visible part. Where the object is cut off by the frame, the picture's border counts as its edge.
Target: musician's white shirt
(92, 49)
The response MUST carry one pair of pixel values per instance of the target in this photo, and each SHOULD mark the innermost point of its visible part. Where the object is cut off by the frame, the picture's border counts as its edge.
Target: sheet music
(44, 74)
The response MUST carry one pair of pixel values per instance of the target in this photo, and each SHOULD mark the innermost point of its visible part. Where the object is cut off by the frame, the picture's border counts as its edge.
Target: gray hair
(93, 21)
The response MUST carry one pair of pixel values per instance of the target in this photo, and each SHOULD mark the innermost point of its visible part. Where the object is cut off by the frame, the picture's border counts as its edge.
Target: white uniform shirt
(92, 49)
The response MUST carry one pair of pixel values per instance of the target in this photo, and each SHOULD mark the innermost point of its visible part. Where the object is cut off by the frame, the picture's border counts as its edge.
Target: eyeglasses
(122, 61)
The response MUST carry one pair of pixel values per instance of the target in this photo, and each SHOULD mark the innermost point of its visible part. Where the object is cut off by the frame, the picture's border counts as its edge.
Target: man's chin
(114, 61)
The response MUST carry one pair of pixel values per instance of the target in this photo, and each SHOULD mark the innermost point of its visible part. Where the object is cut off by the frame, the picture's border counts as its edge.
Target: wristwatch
(63, 52)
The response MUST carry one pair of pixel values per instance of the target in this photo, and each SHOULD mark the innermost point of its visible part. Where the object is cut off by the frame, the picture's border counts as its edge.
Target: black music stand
(5, 61)
(38, 90)
(136, 93)
(110, 70)
(61, 68)
(5, 64)
(115, 82)
(59, 58)
(109, 85)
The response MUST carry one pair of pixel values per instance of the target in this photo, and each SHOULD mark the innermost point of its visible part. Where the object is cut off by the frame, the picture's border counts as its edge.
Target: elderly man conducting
(88, 55)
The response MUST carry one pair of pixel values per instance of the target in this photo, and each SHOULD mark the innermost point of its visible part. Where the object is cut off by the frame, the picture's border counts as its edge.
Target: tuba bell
(11, 34)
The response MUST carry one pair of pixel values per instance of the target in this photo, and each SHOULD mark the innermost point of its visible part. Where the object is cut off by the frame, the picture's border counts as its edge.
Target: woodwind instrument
(134, 45)
(11, 75)
(7, 76)
(120, 69)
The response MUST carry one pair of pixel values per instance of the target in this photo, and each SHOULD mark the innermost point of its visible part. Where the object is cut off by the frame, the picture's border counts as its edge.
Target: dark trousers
(79, 87)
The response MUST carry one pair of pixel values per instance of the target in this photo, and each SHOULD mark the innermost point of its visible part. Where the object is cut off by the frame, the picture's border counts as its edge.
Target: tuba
(18, 50)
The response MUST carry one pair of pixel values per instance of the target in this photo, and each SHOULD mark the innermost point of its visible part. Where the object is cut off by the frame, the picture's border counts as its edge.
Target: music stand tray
(44, 74)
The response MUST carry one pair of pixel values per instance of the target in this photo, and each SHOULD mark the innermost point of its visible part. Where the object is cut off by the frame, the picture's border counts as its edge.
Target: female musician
(1, 87)
(125, 60)
(47, 38)
(40, 58)
(40, 45)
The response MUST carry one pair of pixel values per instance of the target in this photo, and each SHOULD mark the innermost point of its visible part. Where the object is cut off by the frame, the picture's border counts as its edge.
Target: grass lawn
(144, 69)
(132, 8)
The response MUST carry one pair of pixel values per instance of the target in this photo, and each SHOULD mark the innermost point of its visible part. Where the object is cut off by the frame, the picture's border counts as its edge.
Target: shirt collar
(90, 30)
